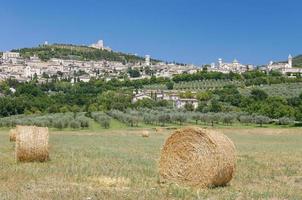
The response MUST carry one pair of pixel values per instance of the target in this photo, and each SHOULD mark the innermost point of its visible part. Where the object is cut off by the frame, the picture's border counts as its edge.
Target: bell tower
(290, 61)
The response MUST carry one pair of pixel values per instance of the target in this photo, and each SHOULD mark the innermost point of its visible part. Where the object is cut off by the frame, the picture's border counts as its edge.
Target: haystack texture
(32, 144)
(145, 134)
(12, 135)
(197, 157)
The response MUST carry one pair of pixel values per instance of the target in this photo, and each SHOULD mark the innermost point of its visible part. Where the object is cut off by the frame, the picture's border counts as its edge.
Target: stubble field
(120, 164)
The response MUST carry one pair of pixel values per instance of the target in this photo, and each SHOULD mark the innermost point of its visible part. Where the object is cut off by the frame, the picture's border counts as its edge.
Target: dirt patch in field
(120, 183)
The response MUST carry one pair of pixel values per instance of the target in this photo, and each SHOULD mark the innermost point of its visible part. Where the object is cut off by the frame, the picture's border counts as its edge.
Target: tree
(148, 71)
(202, 107)
(259, 119)
(215, 106)
(285, 121)
(92, 107)
(258, 94)
(228, 118)
(204, 96)
(189, 107)
(134, 73)
(179, 118)
(187, 94)
(170, 85)
(114, 100)
(230, 94)
(64, 109)
(246, 119)
(163, 118)
(145, 103)
(196, 117)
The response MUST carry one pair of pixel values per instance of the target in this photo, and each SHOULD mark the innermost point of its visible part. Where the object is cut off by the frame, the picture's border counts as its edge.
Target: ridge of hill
(76, 52)
(297, 61)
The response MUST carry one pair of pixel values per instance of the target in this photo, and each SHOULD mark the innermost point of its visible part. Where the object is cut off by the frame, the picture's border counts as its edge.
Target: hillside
(297, 61)
(66, 51)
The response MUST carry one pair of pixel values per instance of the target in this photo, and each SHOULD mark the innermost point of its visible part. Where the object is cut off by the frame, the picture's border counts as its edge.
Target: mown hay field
(121, 164)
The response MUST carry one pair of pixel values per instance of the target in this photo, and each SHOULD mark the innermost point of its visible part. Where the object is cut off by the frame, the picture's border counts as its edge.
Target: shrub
(285, 121)
(84, 121)
(58, 124)
(105, 123)
(75, 124)
(261, 120)
(179, 117)
(228, 118)
(246, 119)
(163, 118)
(102, 119)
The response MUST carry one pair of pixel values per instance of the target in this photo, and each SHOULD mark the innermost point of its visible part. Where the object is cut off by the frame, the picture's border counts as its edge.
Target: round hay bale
(12, 135)
(145, 134)
(32, 144)
(197, 157)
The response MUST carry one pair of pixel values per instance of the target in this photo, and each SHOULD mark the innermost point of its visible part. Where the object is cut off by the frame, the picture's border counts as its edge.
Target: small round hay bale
(197, 157)
(32, 144)
(145, 134)
(12, 135)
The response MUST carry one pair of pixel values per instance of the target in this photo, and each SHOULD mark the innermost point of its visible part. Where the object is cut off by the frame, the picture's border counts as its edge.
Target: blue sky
(189, 31)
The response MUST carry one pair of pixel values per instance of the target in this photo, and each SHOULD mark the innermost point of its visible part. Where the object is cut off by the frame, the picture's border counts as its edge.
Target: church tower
(290, 61)
(219, 62)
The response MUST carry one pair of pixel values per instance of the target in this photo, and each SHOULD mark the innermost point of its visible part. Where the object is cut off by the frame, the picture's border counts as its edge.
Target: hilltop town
(22, 66)
(25, 64)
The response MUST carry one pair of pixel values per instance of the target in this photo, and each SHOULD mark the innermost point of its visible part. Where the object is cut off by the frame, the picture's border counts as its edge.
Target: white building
(10, 55)
(27, 72)
(281, 65)
(284, 67)
(224, 67)
(181, 103)
(147, 60)
(140, 96)
(100, 45)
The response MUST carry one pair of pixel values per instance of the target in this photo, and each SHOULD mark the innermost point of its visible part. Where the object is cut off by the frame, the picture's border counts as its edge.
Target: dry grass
(159, 130)
(121, 183)
(197, 157)
(121, 165)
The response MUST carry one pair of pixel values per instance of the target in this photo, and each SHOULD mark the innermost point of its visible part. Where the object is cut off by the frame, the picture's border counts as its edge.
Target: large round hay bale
(145, 134)
(12, 135)
(32, 144)
(197, 157)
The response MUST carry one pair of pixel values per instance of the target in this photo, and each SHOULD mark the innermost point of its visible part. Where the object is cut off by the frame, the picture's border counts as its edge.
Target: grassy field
(120, 164)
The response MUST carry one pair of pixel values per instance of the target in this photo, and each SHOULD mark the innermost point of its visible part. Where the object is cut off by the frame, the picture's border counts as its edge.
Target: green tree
(189, 107)
(258, 94)
(170, 85)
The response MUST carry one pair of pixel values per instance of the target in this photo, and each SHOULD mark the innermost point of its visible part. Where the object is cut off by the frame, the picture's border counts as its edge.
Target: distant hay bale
(32, 144)
(197, 157)
(12, 135)
(145, 134)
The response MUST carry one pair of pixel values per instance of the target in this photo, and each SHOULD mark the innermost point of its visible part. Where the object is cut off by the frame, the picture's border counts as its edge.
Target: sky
(187, 31)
